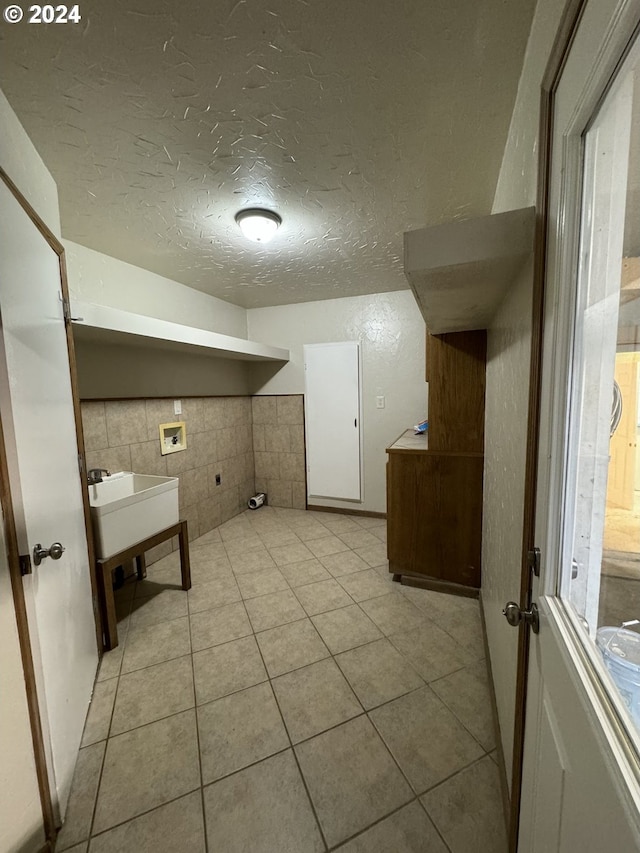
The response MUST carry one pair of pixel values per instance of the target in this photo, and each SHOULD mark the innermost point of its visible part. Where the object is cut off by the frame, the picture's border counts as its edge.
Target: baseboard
(504, 784)
(344, 511)
(426, 582)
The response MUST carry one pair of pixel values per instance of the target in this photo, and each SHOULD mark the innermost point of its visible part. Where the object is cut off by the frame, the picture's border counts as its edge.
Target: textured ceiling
(355, 119)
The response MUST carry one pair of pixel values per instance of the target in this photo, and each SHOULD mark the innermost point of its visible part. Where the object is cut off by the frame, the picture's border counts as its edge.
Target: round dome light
(258, 224)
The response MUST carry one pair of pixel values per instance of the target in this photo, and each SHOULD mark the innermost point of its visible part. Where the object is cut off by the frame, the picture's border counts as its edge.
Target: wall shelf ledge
(460, 272)
(103, 324)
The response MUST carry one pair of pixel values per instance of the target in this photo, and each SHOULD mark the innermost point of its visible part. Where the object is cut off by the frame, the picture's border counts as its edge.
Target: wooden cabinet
(434, 481)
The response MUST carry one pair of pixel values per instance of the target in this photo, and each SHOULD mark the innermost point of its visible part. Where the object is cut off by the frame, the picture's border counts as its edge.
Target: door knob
(55, 552)
(514, 616)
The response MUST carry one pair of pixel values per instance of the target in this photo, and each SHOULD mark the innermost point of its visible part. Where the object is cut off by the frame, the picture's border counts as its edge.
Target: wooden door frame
(12, 539)
(567, 29)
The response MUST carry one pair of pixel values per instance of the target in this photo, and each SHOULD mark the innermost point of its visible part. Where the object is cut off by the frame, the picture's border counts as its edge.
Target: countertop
(410, 441)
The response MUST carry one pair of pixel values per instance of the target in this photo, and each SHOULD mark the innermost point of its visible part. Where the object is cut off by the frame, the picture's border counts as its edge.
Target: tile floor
(294, 700)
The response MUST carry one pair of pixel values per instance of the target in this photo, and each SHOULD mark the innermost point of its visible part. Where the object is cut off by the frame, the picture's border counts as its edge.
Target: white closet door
(332, 413)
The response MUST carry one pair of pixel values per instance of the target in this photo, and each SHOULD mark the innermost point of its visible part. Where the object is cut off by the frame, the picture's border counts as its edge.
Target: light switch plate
(177, 407)
(380, 402)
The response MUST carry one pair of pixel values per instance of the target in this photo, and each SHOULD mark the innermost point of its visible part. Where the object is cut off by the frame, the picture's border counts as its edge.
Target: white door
(580, 787)
(332, 417)
(37, 413)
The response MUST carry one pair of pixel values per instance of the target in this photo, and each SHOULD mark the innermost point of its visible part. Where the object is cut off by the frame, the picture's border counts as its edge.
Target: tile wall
(278, 446)
(123, 435)
(254, 443)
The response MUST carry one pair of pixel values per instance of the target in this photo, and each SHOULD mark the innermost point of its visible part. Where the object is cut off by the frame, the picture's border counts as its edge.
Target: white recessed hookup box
(173, 437)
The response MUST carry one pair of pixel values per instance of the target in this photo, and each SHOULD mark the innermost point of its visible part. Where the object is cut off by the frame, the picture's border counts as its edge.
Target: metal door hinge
(66, 310)
(24, 561)
(533, 561)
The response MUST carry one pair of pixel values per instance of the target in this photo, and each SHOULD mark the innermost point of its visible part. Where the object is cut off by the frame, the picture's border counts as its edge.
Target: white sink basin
(128, 507)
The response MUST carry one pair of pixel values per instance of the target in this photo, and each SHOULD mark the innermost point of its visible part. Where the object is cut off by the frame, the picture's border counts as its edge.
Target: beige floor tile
(226, 669)
(251, 561)
(96, 727)
(82, 799)
(327, 545)
(295, 552)
(214, 627)
(156, 643)
(272, 537)
(235, 528)
(262, 583)
(262, 809)
(146, 768)
(291, 646)
(358, 539)
(407, 831)
(466, 693)
(338, 523)
(152, 693)
(467, 810)
(168, 604)
(364, 585)
(177, 826)
(207, 596)
(430, 650)
(244, 545)
(373, 555)
(344, 563)
(323, 596)
(308, 530)
(78, 848)
(239, 730)
(278, 608)
(308, 571)
(111, 661)
(345, 628)
(425, 738)
(393, 613)
(314, 699)
(352, 779)
(378, 673)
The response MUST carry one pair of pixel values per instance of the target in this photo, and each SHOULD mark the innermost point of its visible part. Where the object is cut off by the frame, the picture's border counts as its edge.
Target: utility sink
(127, 508)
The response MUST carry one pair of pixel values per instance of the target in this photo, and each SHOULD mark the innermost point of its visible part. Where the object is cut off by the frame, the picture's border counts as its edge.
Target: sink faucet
(95, 475)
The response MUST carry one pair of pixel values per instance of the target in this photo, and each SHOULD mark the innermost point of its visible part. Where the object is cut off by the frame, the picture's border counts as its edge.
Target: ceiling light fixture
(258, 224)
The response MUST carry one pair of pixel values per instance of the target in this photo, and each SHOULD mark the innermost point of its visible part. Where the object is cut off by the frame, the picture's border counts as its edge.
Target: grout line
(197, 725)
(270, 679)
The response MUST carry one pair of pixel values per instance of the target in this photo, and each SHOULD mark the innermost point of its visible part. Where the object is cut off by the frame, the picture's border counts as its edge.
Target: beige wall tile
(160, 551)
(147, 459)
(113, 458)
(267, 465)
(192, 413)
(292, 466)
(229, 504)
(296, 438)
(277, 439)
(213, 410)
(235, 411)
(280, 493)
(259, 442)
(264, 410)
(158, 412)
(290, 409)
(226, 441)
(190, 513)
(94, 426)
(299, 495)
(181, 460)
(193, 487)
(209, 515)
(204, 448)
(126, 422)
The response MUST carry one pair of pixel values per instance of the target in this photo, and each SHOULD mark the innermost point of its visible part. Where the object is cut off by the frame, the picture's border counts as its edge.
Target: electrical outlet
(218, 479)
(177, 407)
(380, 402)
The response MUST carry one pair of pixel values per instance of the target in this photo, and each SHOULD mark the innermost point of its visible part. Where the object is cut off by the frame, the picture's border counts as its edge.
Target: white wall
(392, 332)
(20, 811)
(94, 277)
(508, 361)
